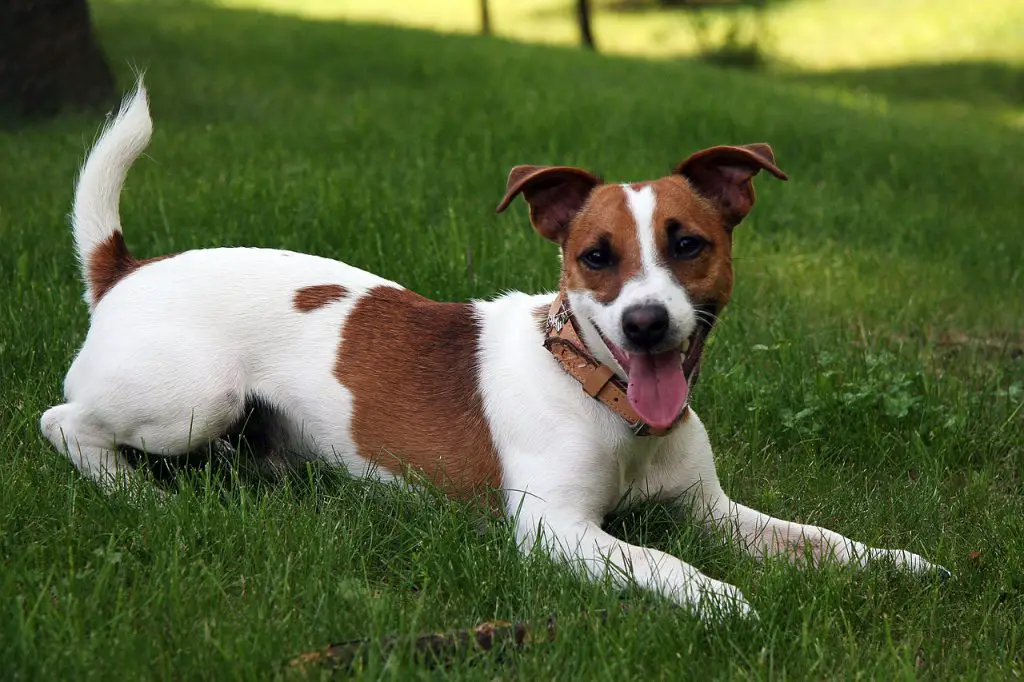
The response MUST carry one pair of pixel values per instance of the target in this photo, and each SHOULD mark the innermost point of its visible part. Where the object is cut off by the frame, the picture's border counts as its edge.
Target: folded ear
(725, 176)
(555, 194)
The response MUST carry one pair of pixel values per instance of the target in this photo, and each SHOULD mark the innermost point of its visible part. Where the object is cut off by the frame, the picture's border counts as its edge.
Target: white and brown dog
(566, 402)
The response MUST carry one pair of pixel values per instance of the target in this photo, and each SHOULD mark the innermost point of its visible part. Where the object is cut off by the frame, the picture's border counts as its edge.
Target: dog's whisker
(707, 317)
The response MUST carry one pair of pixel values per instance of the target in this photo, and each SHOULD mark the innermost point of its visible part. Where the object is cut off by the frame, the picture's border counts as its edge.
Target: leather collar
(599, 381)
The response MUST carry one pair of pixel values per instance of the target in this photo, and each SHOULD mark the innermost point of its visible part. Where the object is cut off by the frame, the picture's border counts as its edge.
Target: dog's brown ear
(725, 175)
(555, 194)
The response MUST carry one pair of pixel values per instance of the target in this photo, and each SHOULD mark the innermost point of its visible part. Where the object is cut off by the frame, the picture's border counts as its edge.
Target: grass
(867, 375)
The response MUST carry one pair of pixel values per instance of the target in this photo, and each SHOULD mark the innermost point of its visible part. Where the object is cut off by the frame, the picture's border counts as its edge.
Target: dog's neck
(592, 339)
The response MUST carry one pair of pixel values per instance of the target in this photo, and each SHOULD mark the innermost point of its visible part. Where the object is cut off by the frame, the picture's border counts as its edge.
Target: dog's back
(180, 346)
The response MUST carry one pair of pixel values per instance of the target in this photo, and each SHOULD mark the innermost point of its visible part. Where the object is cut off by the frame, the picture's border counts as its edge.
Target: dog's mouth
(659, 383)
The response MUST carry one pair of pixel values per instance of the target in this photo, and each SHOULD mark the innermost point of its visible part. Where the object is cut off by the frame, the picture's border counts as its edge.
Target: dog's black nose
(645, 326)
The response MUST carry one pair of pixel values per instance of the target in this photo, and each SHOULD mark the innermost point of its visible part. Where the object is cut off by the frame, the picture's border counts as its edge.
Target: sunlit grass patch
(811, 34)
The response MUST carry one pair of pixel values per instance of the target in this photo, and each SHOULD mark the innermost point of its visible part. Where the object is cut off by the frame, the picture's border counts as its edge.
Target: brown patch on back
(411, 365)
(308, 299)
(709, 277)
(110, 262)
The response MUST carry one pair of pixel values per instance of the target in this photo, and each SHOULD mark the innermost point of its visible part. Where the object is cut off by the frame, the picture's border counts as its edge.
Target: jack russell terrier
(566, 402)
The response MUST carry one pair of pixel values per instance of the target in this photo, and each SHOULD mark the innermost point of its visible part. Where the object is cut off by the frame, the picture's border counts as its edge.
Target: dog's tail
(95, 220)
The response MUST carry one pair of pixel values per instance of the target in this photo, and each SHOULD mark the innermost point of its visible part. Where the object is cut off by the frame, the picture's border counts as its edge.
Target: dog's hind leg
(165, 413)
(89, 446)
(92, 441)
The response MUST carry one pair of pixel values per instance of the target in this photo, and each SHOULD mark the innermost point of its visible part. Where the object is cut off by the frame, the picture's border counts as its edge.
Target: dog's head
(647, 266)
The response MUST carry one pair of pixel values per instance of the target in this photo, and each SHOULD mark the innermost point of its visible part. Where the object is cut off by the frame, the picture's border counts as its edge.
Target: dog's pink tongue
(657, 387)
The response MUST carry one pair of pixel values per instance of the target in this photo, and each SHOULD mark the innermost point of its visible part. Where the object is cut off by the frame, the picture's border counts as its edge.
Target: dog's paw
(934, 571)
(916, 564)
(714, 601)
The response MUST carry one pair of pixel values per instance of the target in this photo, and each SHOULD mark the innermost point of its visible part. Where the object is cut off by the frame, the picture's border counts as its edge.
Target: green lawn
(868, 375)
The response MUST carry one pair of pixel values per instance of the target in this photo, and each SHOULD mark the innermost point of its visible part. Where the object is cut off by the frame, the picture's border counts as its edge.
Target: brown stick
(432, 649)
(435, 649)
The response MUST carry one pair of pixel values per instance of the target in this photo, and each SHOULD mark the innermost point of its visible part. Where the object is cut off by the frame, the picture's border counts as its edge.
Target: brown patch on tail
(308, 299)
(110, 262)
(411, 365)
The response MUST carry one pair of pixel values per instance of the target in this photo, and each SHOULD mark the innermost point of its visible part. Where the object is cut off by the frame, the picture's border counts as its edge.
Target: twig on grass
(432, 648)
(435, 649)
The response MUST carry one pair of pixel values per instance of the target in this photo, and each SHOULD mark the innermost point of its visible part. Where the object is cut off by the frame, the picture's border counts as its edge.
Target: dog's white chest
(635, 461)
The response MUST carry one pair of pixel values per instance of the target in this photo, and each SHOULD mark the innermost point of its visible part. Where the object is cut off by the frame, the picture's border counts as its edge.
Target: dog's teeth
(686, 345)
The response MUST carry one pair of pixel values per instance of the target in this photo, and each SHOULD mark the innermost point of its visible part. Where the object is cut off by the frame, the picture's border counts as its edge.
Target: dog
(566, 402)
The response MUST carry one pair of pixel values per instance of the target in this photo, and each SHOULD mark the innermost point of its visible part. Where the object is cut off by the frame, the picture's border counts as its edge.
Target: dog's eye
(687, 247)
(598, 258)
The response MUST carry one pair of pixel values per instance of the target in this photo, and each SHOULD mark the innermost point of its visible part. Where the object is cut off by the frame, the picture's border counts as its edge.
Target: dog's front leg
(583, 544)
(762, 535)
(686, 473)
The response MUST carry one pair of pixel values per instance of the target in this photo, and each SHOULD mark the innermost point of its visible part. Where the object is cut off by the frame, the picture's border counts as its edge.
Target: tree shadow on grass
(975, 83)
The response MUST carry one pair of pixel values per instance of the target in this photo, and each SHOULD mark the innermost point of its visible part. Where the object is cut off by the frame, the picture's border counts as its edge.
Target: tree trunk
(485, 18)
(583, 14)
(49, 59)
